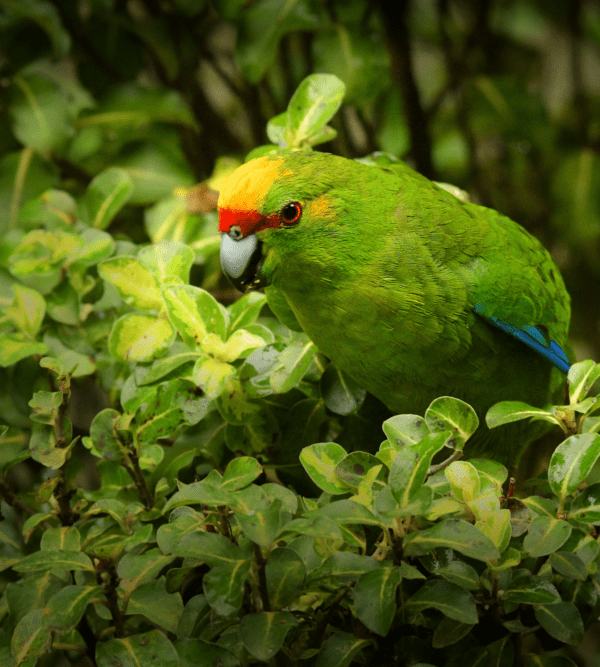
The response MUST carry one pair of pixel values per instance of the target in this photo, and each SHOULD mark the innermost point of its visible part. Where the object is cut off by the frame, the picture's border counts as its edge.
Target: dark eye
(291, 213)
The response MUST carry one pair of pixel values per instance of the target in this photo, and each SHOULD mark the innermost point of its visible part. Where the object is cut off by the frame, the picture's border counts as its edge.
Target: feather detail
(533, 337)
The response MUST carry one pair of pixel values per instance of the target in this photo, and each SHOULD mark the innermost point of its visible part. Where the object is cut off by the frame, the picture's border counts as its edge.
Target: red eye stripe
(249, 222)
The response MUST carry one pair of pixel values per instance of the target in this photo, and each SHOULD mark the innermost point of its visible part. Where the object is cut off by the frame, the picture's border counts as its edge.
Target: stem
(22, 169)
(262, 578)
(324, 620)
(445, 463)
(394, 15)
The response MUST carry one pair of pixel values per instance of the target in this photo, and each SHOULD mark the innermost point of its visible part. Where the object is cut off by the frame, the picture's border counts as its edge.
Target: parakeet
(411, 291)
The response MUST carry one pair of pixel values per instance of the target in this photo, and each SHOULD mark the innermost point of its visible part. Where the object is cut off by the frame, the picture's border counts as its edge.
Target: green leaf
(562, 621)
(496, 525)
(156, 172)
(262, 527)
(409, 468)
(76, 363)
(317, 526)
(194, 313)
(16, 347)
(285, 573)
(449, 631)
(64, 609)
(53, 209)
(45, 406)
(541, 506)
(360, 60)
(512, 411)
(140, 337)
(105, 197)
(546, 535)
(320, 461)
(375, 598)
(133, 105)
(46, 560)
(30, 639)
(575, 189)
(572, 462)
(263, 634)
(63, 304)
(316, 100)
(167, 259)
(235, 405)
(165, 365)
(41, 115)
(455, 534)
(188, 649)
(255, 372)
(154, 602)
(138, 649)
(356, 467)
(136, 285)
(240, 472)
(170, 220)
(96, 246)
(581, 379)
(150, 456)
(245, 311)
(211, 548)
(47, 18)
(339, 650)
(527, 588)
(451, 414)
(44, 446)
(464, 480)
(36, 177)
(453, 601)
(591, 425)
(461, 574)
(403, 430)
(264, 151)
(389, 508)
(200, 493)
(27, 310)
(276, 129)
(168, 406)
(41, 256)
(347, 511)
(211, 375)
(568, 565)
(263, 25)
(346, 567)
(292, 364)
(586, 505)
(259, 431)
(239, 345)
(340, 393)
(588, 549)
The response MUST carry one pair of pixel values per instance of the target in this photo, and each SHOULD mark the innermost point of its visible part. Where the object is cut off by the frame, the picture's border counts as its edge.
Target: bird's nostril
(235, 233)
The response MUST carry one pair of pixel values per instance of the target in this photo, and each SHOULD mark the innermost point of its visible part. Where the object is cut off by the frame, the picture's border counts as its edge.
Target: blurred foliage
(121, 120)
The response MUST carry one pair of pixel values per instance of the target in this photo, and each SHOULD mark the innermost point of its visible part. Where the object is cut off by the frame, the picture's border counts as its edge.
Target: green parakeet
(411, 291)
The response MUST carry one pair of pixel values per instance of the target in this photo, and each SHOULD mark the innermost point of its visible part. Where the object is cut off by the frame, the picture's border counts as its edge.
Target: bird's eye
(291, 213)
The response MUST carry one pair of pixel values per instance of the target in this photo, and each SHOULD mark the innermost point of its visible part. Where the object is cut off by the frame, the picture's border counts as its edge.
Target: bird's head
(266, 205)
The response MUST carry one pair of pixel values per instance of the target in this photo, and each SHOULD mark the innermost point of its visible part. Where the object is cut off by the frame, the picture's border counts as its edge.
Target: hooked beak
(241, 260)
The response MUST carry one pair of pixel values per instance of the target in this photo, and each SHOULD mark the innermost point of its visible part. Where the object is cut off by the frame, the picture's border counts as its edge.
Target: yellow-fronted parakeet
(411, 291)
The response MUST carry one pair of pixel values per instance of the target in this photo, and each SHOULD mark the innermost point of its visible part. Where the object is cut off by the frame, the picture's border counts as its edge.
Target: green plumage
(384, 272)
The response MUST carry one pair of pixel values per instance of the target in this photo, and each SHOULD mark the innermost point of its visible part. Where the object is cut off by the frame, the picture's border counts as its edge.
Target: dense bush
(185, 480)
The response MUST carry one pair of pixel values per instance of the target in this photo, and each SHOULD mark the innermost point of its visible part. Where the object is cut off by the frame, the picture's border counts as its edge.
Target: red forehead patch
(249, 222)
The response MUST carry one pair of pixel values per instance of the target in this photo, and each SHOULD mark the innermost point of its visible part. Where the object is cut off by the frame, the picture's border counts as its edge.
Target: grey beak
(241, 261)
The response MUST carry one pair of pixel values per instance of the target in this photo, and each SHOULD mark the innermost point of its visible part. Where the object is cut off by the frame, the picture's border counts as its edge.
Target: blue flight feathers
(532, 337)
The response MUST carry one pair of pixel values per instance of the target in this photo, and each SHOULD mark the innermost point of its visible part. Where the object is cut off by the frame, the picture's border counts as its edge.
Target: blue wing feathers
(533, 337)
